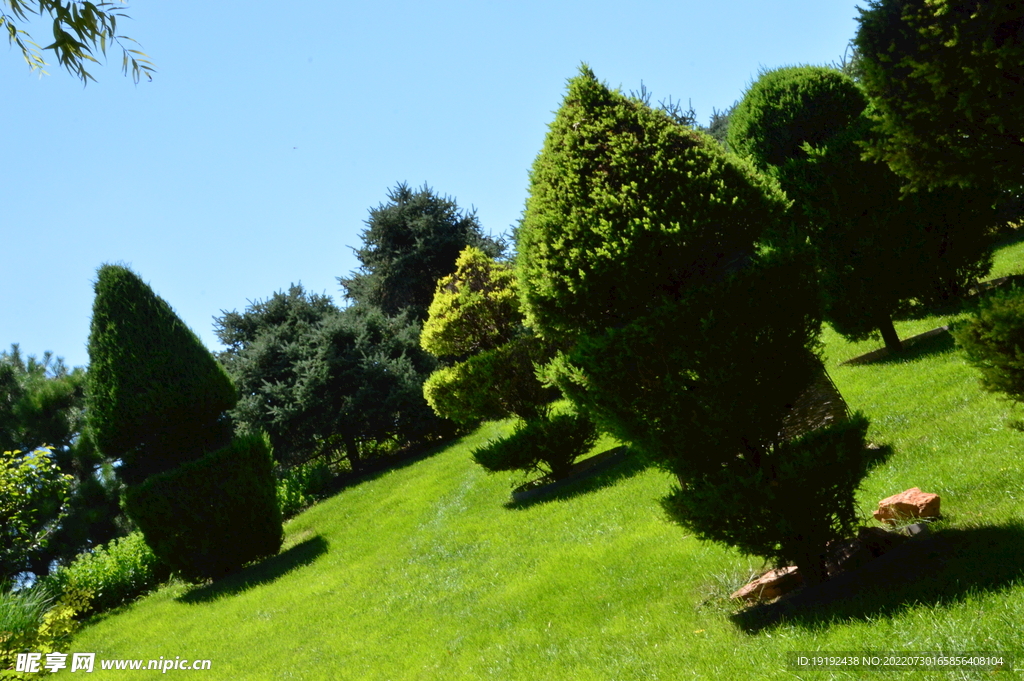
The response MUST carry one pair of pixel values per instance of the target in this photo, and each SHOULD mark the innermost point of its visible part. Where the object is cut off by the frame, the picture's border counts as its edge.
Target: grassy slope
(424, 573)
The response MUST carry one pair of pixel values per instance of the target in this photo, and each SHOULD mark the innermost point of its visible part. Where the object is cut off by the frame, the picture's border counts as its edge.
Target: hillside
(426, 572)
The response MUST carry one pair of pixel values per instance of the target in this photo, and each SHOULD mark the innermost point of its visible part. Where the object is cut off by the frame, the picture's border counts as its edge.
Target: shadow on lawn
(924, 347)
(374, 468)
(264, 572)
(632, 464)
(938, 570)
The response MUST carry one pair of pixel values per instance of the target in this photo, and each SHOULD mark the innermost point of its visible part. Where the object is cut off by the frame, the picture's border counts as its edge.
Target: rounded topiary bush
(789, 107)
(156, 396)
(211, 516)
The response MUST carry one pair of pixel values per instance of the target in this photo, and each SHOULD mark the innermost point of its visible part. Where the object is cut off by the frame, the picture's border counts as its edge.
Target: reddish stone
(771, 584)
(913, 503)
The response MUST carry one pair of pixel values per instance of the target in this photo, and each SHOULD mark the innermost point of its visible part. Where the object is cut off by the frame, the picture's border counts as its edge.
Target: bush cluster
(33, 622)
(300, 486)
(114, 574)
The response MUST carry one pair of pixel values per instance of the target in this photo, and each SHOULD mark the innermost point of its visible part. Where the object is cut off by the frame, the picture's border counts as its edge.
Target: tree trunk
(811, 566)
(889, 335)
(352, 449)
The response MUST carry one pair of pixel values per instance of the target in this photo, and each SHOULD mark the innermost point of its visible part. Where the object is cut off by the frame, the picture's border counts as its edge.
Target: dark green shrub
(876, 249)
(211, 516)
(804, 488)
(790, 107)
(994, 343)
(114, 574)
(156, 396)
(553, 444)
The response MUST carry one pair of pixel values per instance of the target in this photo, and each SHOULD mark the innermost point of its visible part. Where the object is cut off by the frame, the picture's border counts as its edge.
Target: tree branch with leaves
(79, 29)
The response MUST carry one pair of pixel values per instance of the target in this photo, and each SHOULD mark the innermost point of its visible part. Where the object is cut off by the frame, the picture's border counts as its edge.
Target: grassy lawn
(426, 572)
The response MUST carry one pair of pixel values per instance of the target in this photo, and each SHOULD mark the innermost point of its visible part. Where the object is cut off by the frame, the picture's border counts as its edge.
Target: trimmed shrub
(790, 107)
(156, 396)
(493, 384)
(876, 249)
(804, 488)
(211, 516)
(994, 343)
(115, 574)
(646, 249)
(628, 208)
(553, 443)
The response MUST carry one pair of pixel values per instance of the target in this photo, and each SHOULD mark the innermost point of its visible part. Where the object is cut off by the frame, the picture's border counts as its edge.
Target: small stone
(915, 530)
(771, 584)
(912, 503)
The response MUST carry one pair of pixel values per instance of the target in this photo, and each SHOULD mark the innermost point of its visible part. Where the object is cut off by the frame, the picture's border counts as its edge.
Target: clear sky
(269, 130)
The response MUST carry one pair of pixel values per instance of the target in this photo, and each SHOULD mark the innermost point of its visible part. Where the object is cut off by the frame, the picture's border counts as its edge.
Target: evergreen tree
(946, 78)
(876, 249)
(409, 243)
(642, 250)
(157, 400)
(318, 379)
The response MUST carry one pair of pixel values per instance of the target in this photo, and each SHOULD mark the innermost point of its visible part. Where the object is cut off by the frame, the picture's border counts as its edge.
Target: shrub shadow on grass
(374, 468)
(918, 349)
(938, 570)
(263, 572)
(633, 463)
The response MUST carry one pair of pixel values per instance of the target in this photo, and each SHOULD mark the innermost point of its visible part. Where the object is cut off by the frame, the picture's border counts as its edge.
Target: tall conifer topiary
(205, 502)
(157, 397)
(642, 250)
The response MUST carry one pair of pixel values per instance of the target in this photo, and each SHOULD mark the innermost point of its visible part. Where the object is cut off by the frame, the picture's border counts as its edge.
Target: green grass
(426, 572)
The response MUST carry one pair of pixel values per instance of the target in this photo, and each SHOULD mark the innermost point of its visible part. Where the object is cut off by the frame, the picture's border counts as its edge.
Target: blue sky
(251, 160)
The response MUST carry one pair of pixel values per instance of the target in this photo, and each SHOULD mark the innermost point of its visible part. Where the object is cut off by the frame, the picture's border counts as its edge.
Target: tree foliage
(319, 379)
(33, 492)
(876, 249)
(409, 243)
(476, 324)
(642, 249)
(79, 28)
(42, 403)
(947, 78)
(993, 341)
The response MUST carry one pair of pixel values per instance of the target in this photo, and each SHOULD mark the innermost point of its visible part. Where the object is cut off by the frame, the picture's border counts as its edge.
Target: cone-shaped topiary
(626, 208)
(643, 249)
(156, 396)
